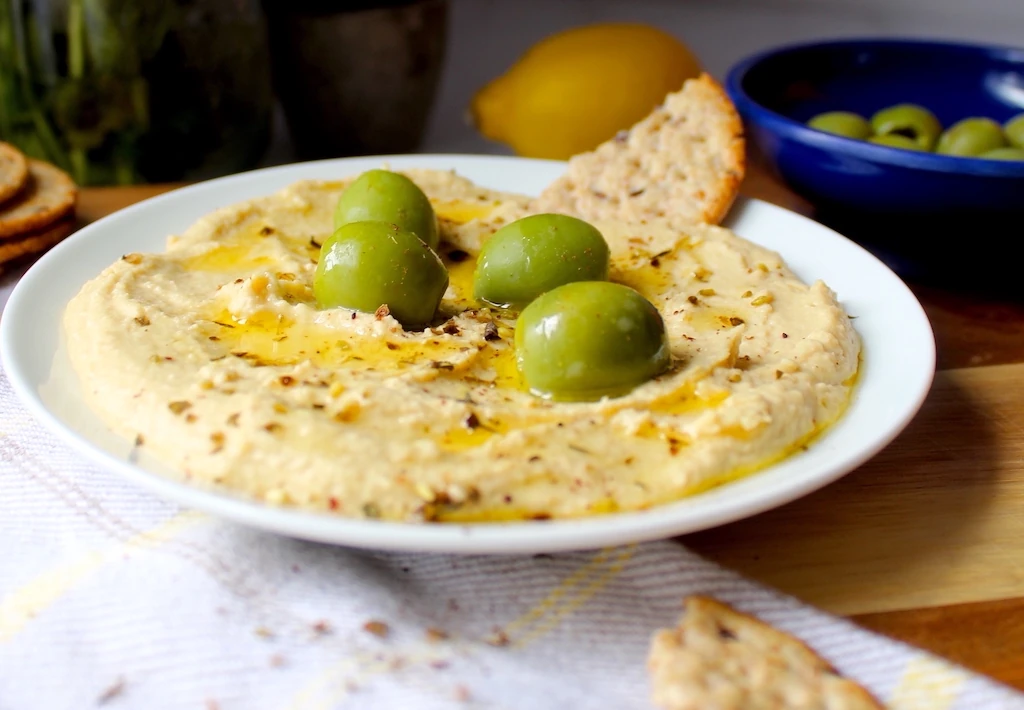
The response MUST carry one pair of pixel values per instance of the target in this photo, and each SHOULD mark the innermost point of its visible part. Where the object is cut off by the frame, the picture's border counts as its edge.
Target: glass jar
(126, 91)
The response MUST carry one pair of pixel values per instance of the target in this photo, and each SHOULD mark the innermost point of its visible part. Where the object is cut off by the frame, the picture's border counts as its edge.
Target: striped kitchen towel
(110, 597)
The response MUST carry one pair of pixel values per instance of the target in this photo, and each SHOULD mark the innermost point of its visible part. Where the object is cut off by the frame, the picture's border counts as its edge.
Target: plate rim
(658, 522)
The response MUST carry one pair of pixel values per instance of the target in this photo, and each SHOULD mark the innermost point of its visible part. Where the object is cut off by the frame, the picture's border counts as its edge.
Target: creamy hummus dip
(214, 357)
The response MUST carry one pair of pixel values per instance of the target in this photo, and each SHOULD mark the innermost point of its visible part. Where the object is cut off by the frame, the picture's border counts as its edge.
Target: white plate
(899, 361)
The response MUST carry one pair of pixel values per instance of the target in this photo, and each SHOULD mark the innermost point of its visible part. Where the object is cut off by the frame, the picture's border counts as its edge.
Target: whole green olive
(535, 254)
(1004, 154)
(842, 123)
(909, 120)
(971, 137)
(1014, 130)
(590, 339)
(895, 140)
(365, 265)
(385, 196)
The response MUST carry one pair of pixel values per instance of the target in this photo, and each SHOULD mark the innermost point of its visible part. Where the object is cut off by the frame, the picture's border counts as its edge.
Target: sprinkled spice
(693, 300)
(435, 634)
(382, 312)
(785, 335)
(497, 637)
(736, 321)
(233, 419)
(112, 691)
(491, 332)
(471, 421)
(142, 320)
(377, 628)
(266, 231)
(132, 258)
(218, 441)
(322, 628)
(286, 380)
(273, 427)
(179, 406)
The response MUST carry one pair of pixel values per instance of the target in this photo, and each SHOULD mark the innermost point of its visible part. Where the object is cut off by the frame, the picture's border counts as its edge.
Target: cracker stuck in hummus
(215, 355)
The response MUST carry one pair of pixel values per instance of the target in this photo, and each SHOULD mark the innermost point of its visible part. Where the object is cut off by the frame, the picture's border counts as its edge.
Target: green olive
(365, 265)
(971, 137)
(384, 196)
(895, 140)
(909, 120)
(535, 254)
(590, 339)
(1014, 130)
(1004, 154)
(842, 123)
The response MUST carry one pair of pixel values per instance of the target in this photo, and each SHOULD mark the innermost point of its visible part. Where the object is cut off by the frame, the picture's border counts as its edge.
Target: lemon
(576, 89)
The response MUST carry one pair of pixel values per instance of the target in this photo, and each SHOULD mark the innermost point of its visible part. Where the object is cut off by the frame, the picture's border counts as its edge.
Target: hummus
(213, 356)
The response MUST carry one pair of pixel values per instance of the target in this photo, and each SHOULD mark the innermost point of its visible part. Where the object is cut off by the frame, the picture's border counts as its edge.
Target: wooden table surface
(925, 542)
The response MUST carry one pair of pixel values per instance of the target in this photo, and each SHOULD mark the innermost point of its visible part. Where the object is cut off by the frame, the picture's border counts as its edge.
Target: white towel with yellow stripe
(110, 597)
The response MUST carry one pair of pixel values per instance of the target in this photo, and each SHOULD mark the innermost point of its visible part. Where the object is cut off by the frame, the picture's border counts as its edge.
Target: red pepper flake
(333, 503)
(471, 421)
(785, 335)
(377, 628)
(112, 691)
(322, 628)
(382, 312)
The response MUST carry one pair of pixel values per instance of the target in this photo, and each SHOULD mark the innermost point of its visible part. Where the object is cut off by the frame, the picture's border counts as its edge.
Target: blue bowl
(878, 192)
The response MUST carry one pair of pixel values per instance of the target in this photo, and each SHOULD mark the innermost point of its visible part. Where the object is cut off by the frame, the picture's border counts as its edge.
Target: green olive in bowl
(842, 123)
(895, 140)
(385, 196)
(971, 137)
(588, 340)
(1004, 154)
(1014, 130)
(366, 265)
(909, 120)
(535, 254)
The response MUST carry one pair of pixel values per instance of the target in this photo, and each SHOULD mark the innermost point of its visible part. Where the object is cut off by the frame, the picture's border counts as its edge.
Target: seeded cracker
(685, 160)
(49, 195)
(13, 171)
(35, 242)
(718, 658)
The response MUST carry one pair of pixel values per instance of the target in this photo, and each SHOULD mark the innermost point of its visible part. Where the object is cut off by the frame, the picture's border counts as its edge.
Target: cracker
(686, 160)
(34, 243)
(49, 195)
(13, 171)
(723, 659)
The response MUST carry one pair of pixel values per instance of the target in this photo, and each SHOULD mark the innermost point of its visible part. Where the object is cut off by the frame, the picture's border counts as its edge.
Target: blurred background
(127, 91)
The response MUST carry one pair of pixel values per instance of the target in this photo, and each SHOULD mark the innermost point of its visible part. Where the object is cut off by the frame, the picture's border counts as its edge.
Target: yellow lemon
(576, 89)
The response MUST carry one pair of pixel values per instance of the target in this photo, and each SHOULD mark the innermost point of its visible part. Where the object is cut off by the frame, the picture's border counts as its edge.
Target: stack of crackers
(37, 205)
